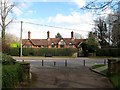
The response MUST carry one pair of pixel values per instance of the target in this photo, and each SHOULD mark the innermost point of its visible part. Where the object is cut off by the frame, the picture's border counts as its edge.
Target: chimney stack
(48, 35)
(72, 34)
(29, 33)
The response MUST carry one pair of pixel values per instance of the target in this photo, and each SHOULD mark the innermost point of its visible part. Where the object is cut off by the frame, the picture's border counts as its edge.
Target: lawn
(114, 78)
(97, 66)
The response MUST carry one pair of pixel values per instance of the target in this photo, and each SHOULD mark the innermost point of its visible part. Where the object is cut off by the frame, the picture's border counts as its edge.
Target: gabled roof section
(77, 41)
(54, 40)
(24, 41)
(73, 41)
(67, 40)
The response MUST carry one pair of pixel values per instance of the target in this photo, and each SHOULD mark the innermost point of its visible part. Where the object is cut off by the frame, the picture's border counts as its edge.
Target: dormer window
(70, 44)
(61, 43)
(52, 44)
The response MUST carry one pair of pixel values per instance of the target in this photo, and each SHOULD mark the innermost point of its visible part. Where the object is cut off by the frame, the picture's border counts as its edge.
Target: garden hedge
(12, 75)
(13, 72)
(42, 51)
(114, 52)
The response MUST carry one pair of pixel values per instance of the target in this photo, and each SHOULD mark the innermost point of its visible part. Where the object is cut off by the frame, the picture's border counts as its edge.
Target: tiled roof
(77, 41)
(46, 42)
(54, 40)
(40, 41)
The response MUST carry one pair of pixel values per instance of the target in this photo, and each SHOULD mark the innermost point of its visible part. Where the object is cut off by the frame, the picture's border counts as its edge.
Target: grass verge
(115, 79)
(97, 66)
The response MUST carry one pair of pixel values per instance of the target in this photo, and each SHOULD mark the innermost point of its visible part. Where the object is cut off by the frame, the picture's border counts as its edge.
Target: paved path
(65, 77)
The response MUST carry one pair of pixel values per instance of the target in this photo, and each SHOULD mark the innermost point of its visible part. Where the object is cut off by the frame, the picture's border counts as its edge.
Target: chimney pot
(72, 34)
(29, 33)
(48, 34)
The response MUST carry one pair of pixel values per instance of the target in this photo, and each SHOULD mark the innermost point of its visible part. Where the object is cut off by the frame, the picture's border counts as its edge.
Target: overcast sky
(66, 14)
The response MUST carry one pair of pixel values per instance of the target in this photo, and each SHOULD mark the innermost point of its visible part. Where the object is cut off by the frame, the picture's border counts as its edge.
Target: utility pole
(21, 40)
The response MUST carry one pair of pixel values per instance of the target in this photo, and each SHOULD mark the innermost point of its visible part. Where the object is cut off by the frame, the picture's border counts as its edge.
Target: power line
(51, 26)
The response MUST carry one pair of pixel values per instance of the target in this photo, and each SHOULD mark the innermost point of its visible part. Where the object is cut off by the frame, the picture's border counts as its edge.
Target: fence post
(84, 62)
(65, 63)
(109, 67)
(54, 63)
(42, 62)
(104, 61)
(23, 60)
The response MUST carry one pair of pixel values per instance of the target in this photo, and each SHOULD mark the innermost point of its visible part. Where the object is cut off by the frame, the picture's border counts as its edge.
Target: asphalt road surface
(71, 62)
(74, 75)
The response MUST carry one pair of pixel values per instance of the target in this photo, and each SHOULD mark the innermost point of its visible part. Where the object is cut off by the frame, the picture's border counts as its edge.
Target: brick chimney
(72, 35)
(48, 34)
(29, 33)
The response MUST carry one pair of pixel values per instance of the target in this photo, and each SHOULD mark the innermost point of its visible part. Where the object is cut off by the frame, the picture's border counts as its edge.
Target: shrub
(115, 52)
(43, 51)
(14, 51)
(12, 72)
(115, 79)
(12, 75)
(28, 52)
(7, 59)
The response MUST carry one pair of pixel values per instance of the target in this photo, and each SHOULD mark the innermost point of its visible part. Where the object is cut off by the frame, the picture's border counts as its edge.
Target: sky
(38, 15)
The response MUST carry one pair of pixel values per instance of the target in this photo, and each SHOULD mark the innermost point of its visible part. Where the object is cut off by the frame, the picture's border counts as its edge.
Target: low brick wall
(26, 67)
(113, 66)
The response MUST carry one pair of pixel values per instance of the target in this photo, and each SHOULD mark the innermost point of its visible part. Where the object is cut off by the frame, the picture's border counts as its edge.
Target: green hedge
(42, 51)
(7, 59)
(13, 72)
(12, 75)
(114, 52)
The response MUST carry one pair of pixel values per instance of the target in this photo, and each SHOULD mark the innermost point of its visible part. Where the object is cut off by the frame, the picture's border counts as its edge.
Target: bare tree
(78, 36)
(5, 9)
(116, 32)
(11, 38)
(101, 32)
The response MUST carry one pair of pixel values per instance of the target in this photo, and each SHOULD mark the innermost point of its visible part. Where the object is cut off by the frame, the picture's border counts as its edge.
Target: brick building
(52, 42)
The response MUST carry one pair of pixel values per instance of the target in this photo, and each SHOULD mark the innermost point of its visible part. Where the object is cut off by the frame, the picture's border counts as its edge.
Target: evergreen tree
(58, 35)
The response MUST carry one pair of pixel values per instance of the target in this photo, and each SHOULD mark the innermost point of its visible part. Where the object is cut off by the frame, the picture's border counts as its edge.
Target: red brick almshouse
(52, 42)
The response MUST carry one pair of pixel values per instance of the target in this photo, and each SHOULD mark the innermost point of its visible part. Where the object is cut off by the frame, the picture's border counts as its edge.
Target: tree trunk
(3, 40)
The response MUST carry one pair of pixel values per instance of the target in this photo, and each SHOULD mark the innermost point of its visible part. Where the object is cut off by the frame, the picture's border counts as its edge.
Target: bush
(114, 52)
(7, 59)
(115, 79)
(12, 75)
(12, 72)
(14, 51)
(43, 51)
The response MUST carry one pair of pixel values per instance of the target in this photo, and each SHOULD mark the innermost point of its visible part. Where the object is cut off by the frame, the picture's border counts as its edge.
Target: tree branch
(0, 24)
(8, 22)
(9, 8)
(101, 7)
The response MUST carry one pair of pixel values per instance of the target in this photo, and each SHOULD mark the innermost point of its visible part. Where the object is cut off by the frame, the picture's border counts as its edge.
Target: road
(74, 75)
(71, 62)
